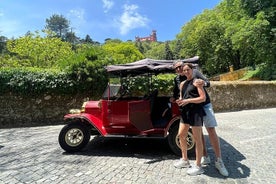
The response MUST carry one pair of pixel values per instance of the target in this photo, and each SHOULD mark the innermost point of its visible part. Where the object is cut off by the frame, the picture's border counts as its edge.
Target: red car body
(129, 118)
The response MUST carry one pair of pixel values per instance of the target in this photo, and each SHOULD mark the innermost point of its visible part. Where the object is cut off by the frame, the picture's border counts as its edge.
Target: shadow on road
(127, 147)
(232, 159)
(157, 150)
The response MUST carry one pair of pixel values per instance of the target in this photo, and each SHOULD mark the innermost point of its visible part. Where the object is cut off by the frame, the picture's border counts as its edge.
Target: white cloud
(131, 19)
(77, 14)
(107, 5)
(77, 20)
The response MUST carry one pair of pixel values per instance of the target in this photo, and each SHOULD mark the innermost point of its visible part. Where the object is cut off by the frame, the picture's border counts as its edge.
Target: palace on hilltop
(151, 38)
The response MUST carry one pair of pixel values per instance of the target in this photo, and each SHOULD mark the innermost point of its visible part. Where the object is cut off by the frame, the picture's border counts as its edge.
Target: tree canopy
(58, 24)
(238, 33)
(235, 33)
(37, 51)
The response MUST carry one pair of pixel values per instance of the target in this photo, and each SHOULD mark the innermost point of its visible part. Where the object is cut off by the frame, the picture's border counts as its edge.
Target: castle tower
(151, 38)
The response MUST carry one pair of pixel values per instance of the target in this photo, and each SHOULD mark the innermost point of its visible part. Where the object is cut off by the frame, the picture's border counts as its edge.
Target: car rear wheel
(173, 140)
(74, 137)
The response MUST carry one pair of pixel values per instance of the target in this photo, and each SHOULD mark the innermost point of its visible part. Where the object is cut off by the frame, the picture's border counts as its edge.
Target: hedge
(34, 81)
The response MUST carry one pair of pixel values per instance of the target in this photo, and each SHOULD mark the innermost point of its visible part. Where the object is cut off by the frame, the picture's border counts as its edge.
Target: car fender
(172, 122)
(93, 120)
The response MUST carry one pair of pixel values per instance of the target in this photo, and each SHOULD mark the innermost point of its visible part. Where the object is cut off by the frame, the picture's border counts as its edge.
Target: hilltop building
(151, 38)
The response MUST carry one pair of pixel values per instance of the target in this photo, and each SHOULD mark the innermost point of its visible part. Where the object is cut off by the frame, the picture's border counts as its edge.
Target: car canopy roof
(146, 66)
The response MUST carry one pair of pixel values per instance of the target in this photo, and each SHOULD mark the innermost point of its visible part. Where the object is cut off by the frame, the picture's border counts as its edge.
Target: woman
(190, 103)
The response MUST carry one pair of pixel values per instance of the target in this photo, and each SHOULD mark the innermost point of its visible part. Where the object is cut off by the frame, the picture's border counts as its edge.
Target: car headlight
(83, 106)
(75, 111)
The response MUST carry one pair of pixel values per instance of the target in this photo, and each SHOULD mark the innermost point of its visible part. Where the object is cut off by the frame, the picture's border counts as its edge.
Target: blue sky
(101, 19)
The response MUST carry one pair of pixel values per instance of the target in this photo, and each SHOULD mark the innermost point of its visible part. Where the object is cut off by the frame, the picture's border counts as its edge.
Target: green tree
(205, 36)
(121, 52)
(168, 52)
(176, 48)
(3, 43)
(86, 67)
(227, 35)
(140, 47)
(72, 38)
(39, 51)
(88, 39)
(144, 47)
(265, 34)
(156, 51)
(58, 24)
(253, 7)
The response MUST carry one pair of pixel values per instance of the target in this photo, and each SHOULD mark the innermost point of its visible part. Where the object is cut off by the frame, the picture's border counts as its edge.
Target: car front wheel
(74, 137)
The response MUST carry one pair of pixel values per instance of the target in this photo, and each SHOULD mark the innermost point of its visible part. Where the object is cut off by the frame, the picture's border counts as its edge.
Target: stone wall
(233, 75)
(230, 76)
(21, 111)
(240, 95)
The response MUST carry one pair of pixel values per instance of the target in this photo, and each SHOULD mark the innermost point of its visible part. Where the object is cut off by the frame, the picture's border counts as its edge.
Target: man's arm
(199, 75)
(175, 89)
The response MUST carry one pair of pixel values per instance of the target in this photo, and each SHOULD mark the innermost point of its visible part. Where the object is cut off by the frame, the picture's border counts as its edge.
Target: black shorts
(193, 115)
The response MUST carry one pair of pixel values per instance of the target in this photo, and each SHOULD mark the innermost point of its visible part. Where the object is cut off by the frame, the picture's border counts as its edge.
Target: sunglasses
(178, 67)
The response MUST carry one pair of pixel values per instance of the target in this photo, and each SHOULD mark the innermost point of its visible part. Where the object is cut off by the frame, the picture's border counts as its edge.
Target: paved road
(33, 155)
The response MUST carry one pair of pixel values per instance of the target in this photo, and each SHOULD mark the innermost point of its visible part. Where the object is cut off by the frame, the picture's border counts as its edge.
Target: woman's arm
(201, 98)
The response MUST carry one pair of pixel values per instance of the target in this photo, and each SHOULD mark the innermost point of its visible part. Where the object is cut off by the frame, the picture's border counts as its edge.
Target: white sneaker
(195, 170)
(220, 167)
(205, 160)
(182, 164)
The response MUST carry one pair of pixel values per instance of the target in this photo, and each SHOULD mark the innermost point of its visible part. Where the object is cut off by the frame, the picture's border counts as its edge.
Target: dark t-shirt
(191, 113)
(196, 74)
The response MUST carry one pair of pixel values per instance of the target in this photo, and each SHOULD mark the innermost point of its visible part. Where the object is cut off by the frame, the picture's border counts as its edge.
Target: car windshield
(112, 90)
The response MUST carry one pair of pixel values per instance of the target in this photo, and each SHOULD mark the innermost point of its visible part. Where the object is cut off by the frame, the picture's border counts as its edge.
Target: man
(209, 120)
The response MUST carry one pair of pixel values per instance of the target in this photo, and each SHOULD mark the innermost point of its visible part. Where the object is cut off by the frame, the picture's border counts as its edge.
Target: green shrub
(267, 71)
(81, 77)
(89, 76)
(35, 81)
(142, 85)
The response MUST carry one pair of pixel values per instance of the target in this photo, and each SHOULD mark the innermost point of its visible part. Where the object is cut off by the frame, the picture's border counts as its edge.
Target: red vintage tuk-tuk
(120, 114)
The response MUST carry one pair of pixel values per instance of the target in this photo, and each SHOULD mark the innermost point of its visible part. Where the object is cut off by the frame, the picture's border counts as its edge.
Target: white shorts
(209, 120)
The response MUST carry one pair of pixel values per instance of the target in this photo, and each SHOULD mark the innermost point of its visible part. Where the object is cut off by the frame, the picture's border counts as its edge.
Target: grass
(250, 74)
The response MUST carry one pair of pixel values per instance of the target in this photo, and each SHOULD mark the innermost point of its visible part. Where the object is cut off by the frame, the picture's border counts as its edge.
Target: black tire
(173, 140)
(74, 137)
